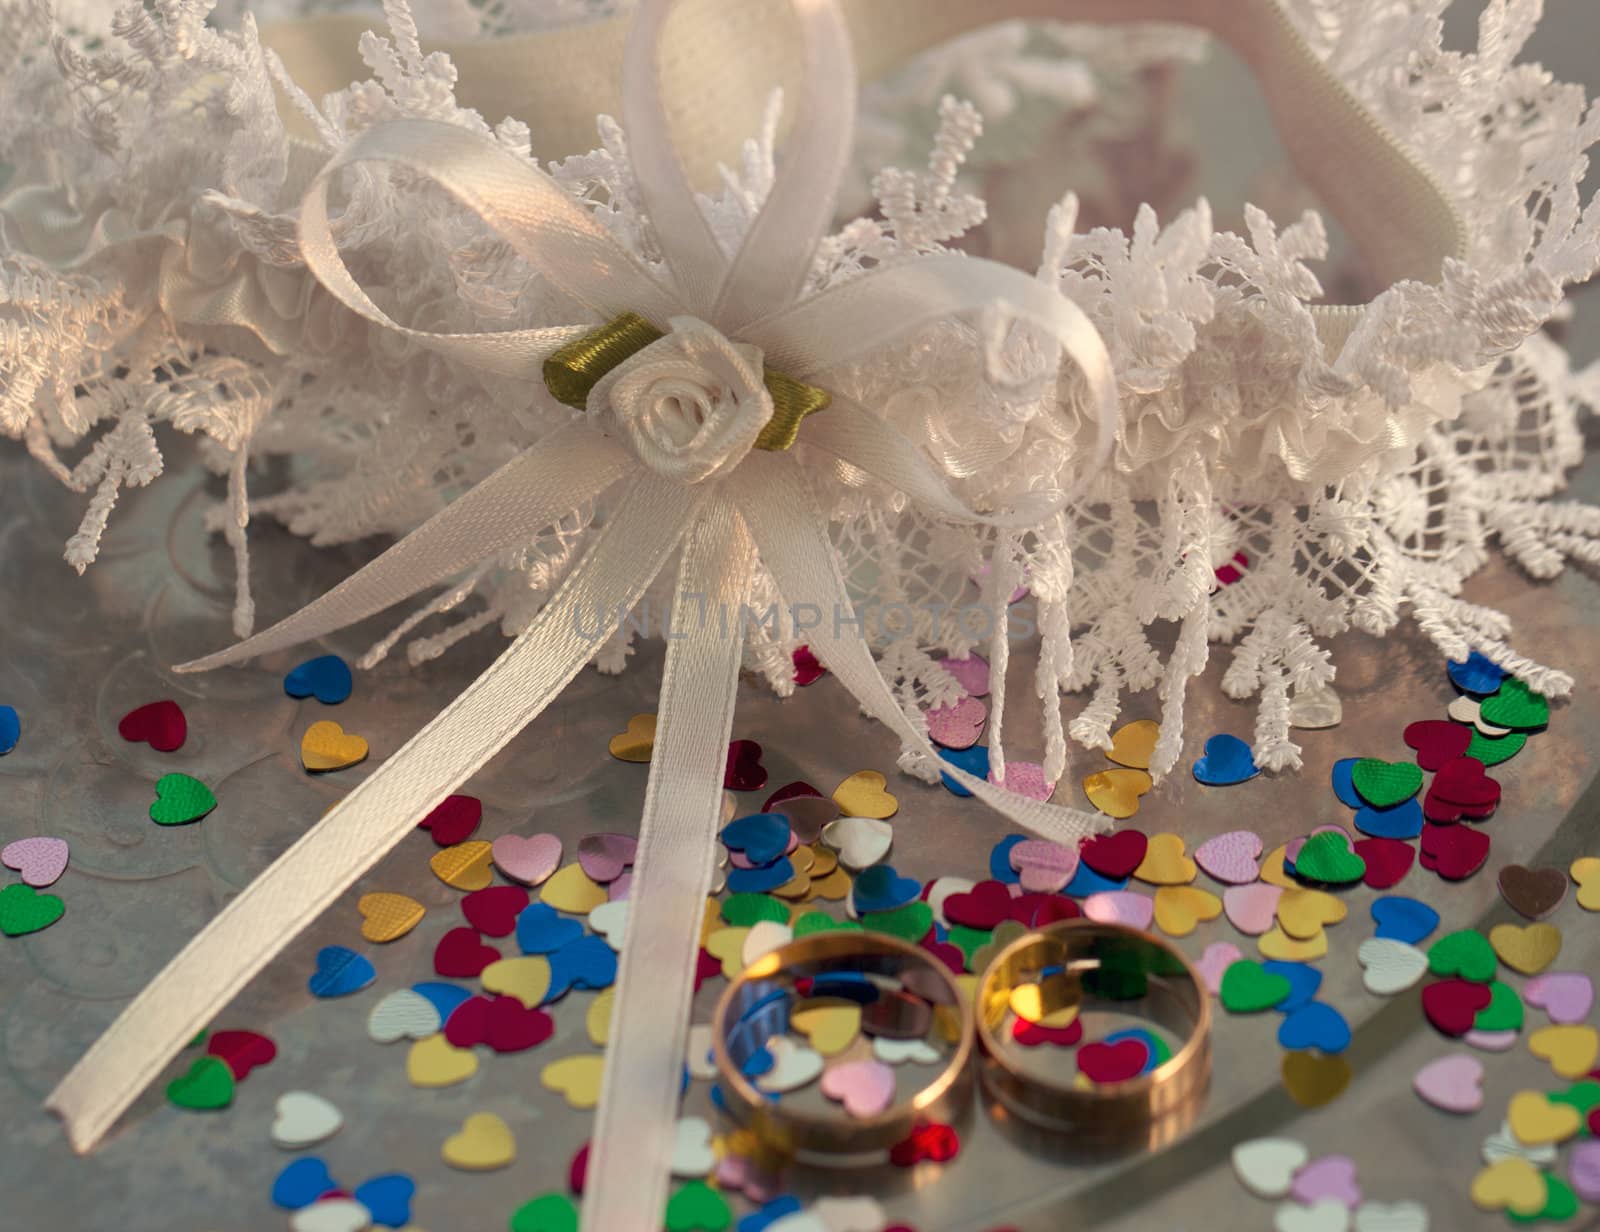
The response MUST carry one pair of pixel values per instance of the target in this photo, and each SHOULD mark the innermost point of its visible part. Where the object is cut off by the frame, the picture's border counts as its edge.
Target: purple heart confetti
(40, 860)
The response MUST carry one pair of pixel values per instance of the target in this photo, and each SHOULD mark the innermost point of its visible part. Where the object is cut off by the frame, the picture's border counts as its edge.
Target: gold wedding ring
(1102, 970)
(902, 989)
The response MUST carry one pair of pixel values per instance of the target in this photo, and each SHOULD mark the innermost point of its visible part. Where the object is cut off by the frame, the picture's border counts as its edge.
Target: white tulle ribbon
(676, 423)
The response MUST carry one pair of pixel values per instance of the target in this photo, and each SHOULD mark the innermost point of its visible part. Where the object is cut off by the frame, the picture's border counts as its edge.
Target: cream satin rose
(690, 405)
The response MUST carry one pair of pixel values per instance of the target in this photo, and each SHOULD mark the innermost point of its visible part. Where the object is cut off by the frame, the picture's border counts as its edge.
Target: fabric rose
(690, 405)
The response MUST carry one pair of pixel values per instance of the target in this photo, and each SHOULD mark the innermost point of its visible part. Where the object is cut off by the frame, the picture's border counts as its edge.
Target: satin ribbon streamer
(764, 507)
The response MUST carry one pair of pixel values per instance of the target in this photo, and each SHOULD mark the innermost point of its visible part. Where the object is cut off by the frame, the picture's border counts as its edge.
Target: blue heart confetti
(1400, 821)
(387, 1199)
(1000, 860)
(10, 729)
(302, 1183)
(326, 678)
(1475, 674)
(587, 963)
(880, 888)
(1086, 882)
(1403, 919)
(340, 971)
(975, 761)
(762, 837)
(1317, 1025)
(444, 997)
(1304, 980)
(1227, 761)
(778, 1208)
(1153, 1048)
(1344, 784)
(760, 880)
(542, 930)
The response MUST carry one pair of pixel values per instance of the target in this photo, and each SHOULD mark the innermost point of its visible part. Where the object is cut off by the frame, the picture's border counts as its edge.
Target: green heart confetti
(207, 1085)
(1492, 750)
(744, 910)
(1248, 988)
(698, 1208)
(24, 910)
(1559, 1202)
(1504, 1011)
(909, 923)
(822, 922)
(1384, 784)
(1466, 953)
(1326, 857)
(969, 940)
(551, 1212)
(180, 799)
(1516, 706)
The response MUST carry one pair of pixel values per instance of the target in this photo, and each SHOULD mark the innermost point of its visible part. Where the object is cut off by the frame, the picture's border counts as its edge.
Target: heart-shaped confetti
(484, 1143)
(865, 1088)
(10, 729)
(160, 724)
(1451, 1005)
(453, 820)
(1326, 1215)
(1180, 909)
(332, 1214)
(40, 860)
(957, 725)
(1103, 1062)
(1116, 792)
(387, 916)
(1403, 919)
(1390, 966)
(24, 910)
(1532, 893)
(1571, 1050)
(1315, 709)
(493, 911)
(1266, 1166)
(794, 1065)
(1403, 821)
(1248, 989)
(1451, 1083)
(744, 771)
(696, 1207)
(527, 978)
(541, 931)
(1437, 742)
(1583, 1168)
(569, 889)
(1388, 861)
(1025, 778)
(1516, 706)
(1126, 907)
(340, 971)
(974, 760)
(1475, 674)
(180, 799)
(1317, 1025)
(860, 841)
(207, 1086)
(1164, 862)
(301, 1183)
(1511, 1184)
(303, 1118)
(901, 1051)
(403, 1014)
(529, 860)
(1115, 855)
(240, 1051)
(762, 837)
(388, 1198)
(1327, 858)
(435, 1062)
(1313, 1079)
(1304, 981)
(1214, 962)
(1468, 711)
(1133, 744)
(1492, 750)
(1043, 867)
(1329, 1178)
(829, 1026)
(1280, 946)
(1454, 852)
(636, 743)
(910, 923)
(1566, 996)
(1536, 1119)
(1227, 761)
(1231, 857)
(326, 746)
(1302, 912)
(1466, 953)
(461, 954)
(1503, 1013)
(604, 856)
(466, 866)
(1585, 871)
(551, 1212)
(1526, 948)
(971, 672)
(1464, 784)
(863, 794)
(326, 678)
(1252, 908)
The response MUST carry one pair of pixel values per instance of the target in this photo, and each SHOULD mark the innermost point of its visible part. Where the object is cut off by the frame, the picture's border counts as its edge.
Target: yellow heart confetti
(436, 1062)
(728, 945)
(1164, 862)
(830, 1024)
(1133, 743)
(1586, 872)
(1313, 1079)
(576, 1078)
(1116, 792)
(1179, 909)
(1535, 1120)
(712, 920)
(388, 917)
(823, 860)
(326, 746)
(466, 866)
(1053, 1002)
(1275, 943)
(1528, 950)
(638, 742)
(1512, 1183)
(569, 889)
(597, 1022)
(484, 1143)
(1302, 912)
(1571, 1050)
(527, 978)
(835, 887)
(863, 794)
(1272, 869)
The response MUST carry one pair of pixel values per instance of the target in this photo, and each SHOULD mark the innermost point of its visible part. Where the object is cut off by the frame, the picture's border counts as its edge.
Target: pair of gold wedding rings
(1067, 968)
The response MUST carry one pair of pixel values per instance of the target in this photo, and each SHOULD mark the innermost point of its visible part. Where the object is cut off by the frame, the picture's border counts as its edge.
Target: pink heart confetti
(1120, 907)
(735, 1172)
(1218, 957)
(1043, 867)
(620, 888)
(863, 1087)
(604, 856)
(1566, 996)
(1231, 857)
(1252, 909)
(1583, 1170)
(529, 860)
(1332, 1177)
(40, 860)
(1025, 778)
(971, 673)
(1451, 1084)
(958, 725)
(1491, 1041)
(806, 668)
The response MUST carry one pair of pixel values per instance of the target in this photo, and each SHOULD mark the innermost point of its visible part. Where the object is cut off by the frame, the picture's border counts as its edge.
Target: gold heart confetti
(484, 1144)
(1164, 862)
(1586, 872)
(597, 1021)
(569, 889)
(577, 1078)
(728, 945)
(1313, 1078)
(1302, 912)
(327, 746)
(1511, 1184)
(1133, 743)
(1571, 1049)
(1179, 909)
(638, 742)
(1275, 943)
(1272, 869)
(830, 1024)
(466, 866)
(1116, 792)
(436, 1062)
(1527, 949)
(863, 794)
(388, 917)
(526, 978)
(1535, 1120)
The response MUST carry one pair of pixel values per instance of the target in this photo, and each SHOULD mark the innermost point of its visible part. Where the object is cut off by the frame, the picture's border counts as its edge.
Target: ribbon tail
(355, 834)
(631, 1148)
(790, 533)
(505, 511)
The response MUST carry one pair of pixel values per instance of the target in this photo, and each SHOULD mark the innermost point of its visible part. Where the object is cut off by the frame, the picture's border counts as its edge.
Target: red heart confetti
(161, 725)
(1437, 742)
(453, 820)
(744, 769)
(578, 1170)
(1464, 782)
(462, 955)
(1454, 852)
(950, 955)
(939, 1143)
(1388, 861)
(1451, 1005)
(806, 668)
(1032, 1035)
(706, 966)
(1103, 1062)
(493, 911)
(1115, 855)
(1037, 910)
(468, 1024)
(241, 1051)
(983, 906)
(513, 1027)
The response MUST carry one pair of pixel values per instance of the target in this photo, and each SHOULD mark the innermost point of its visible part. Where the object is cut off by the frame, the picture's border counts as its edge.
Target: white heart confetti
(1266, 1166)
(860, 841)
(303, 1118)
(691, 1150)
(403, 1014)
(1390, 966)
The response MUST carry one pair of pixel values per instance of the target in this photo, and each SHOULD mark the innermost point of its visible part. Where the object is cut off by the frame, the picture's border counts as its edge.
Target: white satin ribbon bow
(688, 409)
